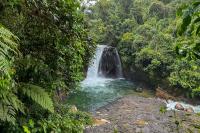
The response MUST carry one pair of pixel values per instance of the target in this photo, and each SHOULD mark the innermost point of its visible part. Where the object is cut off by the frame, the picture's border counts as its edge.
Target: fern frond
(9, 105)
(38, 95)
(8, 45)
(8, 42)
(4, 67)
(6, 114)
(9, 102)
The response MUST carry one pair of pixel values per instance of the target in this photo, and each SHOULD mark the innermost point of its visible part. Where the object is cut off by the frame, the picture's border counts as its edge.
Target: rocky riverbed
(135, 114)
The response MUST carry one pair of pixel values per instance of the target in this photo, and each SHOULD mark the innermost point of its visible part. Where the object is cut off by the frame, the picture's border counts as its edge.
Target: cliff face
(110, 64)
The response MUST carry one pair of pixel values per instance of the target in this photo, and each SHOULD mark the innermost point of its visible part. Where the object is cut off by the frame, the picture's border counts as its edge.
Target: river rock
(140, 123)
(179, 106)
(189, 110)
(99, 122)
(139, 89)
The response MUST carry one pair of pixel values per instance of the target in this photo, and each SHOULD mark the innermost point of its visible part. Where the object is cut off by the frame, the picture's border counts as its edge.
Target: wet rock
(139, 89)
(179, 106)
(189, 110)
(110, 65)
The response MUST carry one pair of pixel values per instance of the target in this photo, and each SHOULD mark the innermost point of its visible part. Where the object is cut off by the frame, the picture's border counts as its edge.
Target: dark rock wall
(109, 63)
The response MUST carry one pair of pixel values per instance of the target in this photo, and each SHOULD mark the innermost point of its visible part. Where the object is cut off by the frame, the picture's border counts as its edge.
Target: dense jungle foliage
(147, 33)
(44, 48)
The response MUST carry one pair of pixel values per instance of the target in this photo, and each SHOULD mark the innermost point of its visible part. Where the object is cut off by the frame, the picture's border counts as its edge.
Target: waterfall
(105, 63)
(120, 74)
(94, 65)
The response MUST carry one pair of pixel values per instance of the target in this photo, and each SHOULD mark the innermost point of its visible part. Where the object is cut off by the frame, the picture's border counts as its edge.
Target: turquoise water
(95, 93)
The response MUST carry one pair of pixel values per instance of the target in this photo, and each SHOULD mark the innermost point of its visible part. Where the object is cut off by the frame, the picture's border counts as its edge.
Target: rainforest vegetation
(158, 39)
(46, 46)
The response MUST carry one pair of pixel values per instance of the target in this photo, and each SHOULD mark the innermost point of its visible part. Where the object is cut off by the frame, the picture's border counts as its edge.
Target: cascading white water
(171, 106)
(93, 68)
(94, 77)
(120, 74)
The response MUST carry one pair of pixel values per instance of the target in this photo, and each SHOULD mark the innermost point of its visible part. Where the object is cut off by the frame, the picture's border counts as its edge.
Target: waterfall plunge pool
(95, 93)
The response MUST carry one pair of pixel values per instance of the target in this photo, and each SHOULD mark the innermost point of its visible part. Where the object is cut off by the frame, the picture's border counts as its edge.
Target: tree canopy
(152, 39)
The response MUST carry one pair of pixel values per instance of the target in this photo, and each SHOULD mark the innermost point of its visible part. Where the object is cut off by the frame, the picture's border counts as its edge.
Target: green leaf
(186, 22)
(198, 29)
(180, 10)
(26, 129)
(195, 4)
(197, 20)
(38, 95)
